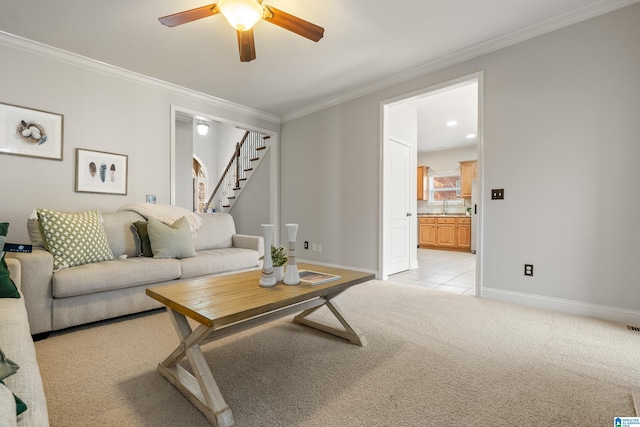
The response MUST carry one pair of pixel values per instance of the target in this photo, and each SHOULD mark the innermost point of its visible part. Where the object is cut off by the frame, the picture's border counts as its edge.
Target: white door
(397, 206)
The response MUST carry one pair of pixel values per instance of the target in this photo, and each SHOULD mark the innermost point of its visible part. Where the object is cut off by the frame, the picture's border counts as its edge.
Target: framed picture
(100, 172)
(28, 132)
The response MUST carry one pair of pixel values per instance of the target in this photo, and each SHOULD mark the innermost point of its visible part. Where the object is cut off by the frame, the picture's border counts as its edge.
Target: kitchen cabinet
(446, 237)
(423, 182)
(445, 232)
(468, 172)
(463, 233)
(427, 231)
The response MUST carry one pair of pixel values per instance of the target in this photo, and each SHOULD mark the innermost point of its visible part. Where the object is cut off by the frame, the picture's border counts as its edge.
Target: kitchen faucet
(444, 207)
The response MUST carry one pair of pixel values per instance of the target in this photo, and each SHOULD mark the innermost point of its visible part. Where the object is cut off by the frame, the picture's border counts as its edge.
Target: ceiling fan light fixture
(241, 14)
(202, 127)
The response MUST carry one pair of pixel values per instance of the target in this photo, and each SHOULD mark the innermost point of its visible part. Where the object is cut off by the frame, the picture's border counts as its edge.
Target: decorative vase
(291, 276)
(267, 278)
(278, 272)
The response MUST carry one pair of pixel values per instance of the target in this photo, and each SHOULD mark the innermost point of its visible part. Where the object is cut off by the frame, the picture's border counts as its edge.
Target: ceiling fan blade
(293, 23)
(246, 45)
(189, 15)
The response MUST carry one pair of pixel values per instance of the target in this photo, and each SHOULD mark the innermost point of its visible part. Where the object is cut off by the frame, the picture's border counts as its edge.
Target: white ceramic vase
(267, 278)
(291, 276)
(278, 272)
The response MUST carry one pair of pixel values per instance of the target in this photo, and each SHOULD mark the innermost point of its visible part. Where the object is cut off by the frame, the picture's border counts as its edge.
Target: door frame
(384, 133)
(274, 179)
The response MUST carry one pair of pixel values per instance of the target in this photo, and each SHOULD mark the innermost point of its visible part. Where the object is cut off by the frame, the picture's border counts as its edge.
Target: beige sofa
(17, 345)
(102, 290)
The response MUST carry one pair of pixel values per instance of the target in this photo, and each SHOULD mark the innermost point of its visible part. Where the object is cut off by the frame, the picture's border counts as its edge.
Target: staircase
(243, 161)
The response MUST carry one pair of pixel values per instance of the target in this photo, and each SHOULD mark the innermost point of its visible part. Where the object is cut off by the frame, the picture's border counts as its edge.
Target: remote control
(17, 247)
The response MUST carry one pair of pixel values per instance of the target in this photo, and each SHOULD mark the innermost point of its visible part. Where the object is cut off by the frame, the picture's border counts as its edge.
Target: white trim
(628, 317)
(487, 46)
(479, 78)
(480, 187)
(31, 46)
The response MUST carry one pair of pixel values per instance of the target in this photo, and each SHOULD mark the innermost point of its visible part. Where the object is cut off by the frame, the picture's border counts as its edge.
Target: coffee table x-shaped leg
(201, 388)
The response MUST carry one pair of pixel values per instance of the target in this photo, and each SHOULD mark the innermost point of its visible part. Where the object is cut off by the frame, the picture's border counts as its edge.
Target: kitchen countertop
(442, 216)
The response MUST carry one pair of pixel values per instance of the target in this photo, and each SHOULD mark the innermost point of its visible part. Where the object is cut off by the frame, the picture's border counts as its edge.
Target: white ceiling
(367, 43)
(447, 118)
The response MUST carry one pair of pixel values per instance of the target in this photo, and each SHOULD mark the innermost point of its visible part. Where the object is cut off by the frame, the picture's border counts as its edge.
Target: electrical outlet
(314, 247)
(497, 194)
(528, 269)
(306, 244)
(319, 247)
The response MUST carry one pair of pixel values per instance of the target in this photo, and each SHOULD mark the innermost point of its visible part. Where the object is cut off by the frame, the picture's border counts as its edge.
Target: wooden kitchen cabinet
(445, 232)
(463, 233)
(423, 182)
(427, 231)
(446, 237)
(468, 172)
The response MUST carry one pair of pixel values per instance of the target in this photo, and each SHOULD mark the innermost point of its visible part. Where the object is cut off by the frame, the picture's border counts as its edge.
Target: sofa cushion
(171, 241)
(216, 232)
(19, 405)
(7, 407)
(74, 238)
(120, 233)
(218, 261)
(33, 228)
(115, 274)
(16, 342)
(7, 287)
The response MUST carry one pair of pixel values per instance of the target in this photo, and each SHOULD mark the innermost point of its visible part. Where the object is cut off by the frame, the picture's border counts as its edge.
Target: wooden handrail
(245, 153)
(235, 156)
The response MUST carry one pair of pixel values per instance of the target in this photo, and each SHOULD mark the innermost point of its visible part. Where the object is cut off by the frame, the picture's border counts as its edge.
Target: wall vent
(633, 328)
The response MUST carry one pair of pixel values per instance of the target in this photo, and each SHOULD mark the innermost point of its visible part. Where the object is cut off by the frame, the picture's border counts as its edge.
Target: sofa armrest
(14, 270)
(246, 241)
(36, 272)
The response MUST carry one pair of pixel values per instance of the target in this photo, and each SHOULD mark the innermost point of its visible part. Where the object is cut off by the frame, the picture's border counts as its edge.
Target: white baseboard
(622, 315)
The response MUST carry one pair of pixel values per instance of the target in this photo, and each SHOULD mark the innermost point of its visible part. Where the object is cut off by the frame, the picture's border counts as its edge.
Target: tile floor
(443, 270)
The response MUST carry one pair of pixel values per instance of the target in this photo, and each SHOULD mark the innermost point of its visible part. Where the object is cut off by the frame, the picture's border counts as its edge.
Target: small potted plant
(279, 258)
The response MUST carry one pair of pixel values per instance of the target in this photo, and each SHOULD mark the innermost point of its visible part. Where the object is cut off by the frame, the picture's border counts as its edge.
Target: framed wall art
(28, 132)
(100, 172)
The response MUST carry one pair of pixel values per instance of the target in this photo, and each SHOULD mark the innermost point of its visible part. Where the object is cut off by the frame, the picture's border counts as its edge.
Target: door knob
(408, 213)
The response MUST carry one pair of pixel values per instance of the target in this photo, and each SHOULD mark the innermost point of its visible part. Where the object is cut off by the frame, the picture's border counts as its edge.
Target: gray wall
(561, 137)
(184, 164)
(252, 207)
(105, 110)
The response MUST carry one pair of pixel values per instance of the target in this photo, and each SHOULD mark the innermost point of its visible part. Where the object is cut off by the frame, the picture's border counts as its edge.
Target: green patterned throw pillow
(74, 238)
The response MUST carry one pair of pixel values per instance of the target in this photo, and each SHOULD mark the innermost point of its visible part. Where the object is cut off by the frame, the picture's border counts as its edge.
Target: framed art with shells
(28, 132)
(100, 172)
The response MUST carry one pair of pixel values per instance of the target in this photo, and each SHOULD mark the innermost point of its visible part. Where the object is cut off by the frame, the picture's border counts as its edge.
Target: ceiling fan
(243, 15)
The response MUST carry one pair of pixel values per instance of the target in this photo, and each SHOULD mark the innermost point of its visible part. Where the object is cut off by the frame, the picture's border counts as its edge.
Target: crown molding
(491, 45)
(42, 49)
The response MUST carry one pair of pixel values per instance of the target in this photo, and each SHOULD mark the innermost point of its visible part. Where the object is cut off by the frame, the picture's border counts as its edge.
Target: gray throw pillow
(171, 241)
(7, 367)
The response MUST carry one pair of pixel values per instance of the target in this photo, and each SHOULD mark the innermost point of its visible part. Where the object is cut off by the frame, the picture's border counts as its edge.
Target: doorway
(414, 128)
(183, 152)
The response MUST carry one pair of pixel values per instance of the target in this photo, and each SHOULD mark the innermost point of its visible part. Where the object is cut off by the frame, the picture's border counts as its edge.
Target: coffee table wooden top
(222, 300)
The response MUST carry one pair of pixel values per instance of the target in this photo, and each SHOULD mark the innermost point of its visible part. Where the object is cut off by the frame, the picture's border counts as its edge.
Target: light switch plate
(497, 194)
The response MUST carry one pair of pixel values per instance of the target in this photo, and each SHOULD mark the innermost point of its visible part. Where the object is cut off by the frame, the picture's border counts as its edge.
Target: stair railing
(246, 151)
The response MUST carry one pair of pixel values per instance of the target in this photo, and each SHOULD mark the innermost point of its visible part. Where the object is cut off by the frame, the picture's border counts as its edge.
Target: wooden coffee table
(225, 305)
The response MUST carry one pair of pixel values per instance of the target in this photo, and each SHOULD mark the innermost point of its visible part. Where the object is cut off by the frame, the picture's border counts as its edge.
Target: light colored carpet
(433, 359)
